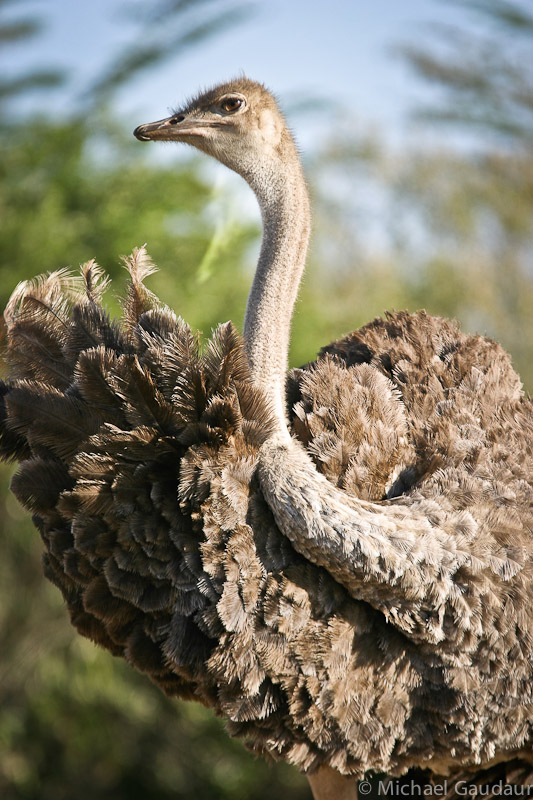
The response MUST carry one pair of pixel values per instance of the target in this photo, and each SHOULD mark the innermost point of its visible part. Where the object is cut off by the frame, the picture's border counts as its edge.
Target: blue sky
(337, 49)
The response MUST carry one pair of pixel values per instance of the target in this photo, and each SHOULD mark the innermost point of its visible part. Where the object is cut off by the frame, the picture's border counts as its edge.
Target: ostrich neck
(284, 203)
(406, 559)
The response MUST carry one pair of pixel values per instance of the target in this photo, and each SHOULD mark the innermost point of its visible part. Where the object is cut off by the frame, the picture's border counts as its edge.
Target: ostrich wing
(431, 424)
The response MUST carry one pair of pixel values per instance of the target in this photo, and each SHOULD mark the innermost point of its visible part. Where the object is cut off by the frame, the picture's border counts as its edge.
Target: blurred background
(415, 122)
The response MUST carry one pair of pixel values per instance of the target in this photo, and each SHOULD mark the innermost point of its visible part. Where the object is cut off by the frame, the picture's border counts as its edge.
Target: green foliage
(81, 724)
(61, 206)
(484, 72)
(454, 237)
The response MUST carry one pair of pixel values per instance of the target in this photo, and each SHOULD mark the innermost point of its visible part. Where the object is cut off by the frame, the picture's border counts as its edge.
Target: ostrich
(338, 562)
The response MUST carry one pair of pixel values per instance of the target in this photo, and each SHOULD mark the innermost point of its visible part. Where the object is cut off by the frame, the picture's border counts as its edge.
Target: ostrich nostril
(176, 120)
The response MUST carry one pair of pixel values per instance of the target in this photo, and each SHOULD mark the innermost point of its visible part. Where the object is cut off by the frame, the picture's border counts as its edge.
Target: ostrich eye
(231, 104)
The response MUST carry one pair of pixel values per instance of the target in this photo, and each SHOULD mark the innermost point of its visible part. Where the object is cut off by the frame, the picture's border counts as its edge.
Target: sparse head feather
(256, 93)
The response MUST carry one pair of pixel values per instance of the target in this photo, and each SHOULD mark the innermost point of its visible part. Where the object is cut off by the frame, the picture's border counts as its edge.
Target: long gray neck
(284, 202)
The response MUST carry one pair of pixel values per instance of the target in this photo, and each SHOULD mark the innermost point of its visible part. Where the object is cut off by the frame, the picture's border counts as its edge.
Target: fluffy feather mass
(139, 455)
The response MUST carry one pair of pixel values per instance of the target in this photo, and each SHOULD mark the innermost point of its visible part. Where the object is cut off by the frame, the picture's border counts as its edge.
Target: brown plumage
(353, 600)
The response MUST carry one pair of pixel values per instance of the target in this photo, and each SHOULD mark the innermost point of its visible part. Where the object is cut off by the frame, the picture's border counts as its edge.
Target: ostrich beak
(177, 128)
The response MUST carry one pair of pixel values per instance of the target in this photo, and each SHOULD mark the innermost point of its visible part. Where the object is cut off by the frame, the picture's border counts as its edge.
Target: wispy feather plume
(138, 298)
(96, 281)
(55, 290)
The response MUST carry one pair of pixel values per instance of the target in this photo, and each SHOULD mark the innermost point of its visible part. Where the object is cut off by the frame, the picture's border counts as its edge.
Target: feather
(224, 360)
(38, 484)
(96, 281)
(49, 418)
(53, 293)
(179, 358)
(144, 404)
(37, 319)
(159, 323)
(91, 327)
(13, 445)
(138, 298)
(94, 379)
(36, 350)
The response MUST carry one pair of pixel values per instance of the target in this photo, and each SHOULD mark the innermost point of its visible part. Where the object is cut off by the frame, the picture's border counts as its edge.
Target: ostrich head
(238, 123)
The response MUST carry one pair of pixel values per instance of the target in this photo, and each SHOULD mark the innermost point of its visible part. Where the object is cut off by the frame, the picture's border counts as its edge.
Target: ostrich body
(340, 566)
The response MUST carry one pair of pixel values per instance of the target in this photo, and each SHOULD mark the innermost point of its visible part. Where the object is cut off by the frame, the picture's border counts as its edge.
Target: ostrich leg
(328, 784)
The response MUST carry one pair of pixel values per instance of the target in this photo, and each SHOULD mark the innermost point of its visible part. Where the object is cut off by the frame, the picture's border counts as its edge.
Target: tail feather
(90, 326)
(138, 298)
(95, 280)
(39, 483)
(166, 347)
(94, 376)
(37, 320)
(13, 445)
(144, 404)
(224, 360)
(36, 352)
(50, 419)
(54, 293)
